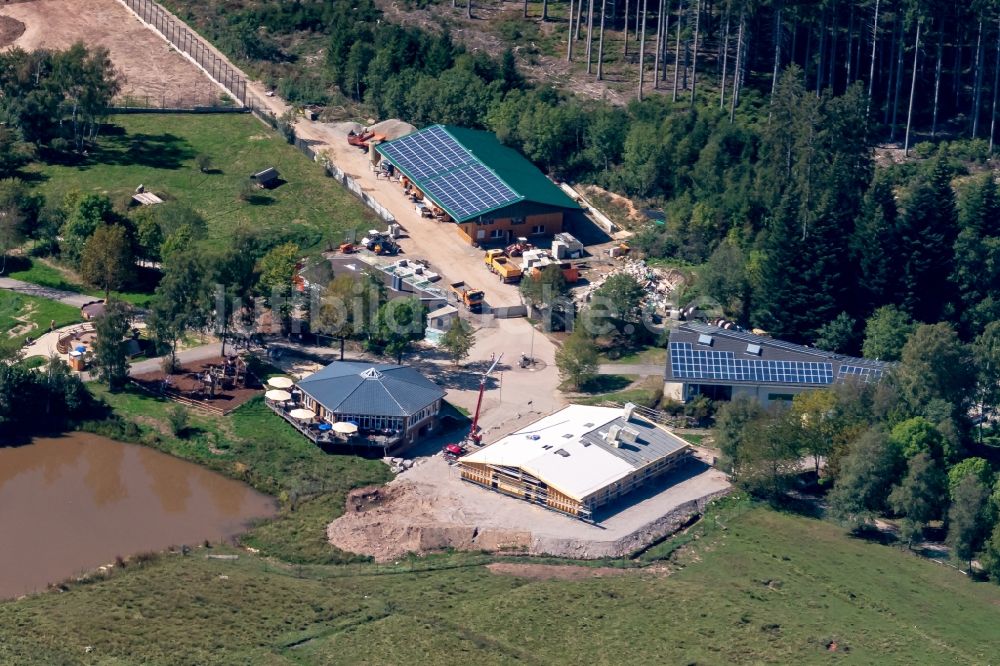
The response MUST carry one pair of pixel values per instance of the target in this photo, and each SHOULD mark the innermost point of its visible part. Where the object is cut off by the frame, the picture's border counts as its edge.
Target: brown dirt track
(150, 67)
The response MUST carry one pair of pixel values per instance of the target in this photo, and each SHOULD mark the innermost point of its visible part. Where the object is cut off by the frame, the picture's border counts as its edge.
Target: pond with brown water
(73, 503)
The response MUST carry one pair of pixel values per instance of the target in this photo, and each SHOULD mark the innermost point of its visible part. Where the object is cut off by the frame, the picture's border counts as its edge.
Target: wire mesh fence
(195, 47)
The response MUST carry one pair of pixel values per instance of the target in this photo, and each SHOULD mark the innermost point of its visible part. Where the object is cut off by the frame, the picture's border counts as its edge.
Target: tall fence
(191, 43)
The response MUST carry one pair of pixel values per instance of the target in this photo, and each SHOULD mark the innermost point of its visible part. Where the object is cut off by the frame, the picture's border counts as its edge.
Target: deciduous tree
(107, 261)
(458, 340)
(967, 519)
(183, 300)
(110, 355)
(920, 496)
(886, 332)
(867, 473)
(577, 359)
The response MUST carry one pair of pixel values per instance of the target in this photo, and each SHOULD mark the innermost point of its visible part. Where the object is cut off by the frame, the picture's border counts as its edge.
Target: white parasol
(345, 428)
(277, 395)
(302, 414)
(280, 382)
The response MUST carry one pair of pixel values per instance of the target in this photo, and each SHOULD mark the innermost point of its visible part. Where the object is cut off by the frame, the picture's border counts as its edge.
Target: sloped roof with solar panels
(708, 354)
(469, 173)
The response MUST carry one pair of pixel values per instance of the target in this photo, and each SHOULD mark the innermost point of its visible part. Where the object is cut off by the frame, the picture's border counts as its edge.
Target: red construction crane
(474, 435)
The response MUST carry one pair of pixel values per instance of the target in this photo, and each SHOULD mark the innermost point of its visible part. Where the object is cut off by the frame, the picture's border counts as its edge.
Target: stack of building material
(658, 283)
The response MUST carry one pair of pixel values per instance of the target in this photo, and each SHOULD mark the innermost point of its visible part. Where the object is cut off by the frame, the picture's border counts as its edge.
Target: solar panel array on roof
(686, 362)
(448, 173)
(865, 373)
(425, 154)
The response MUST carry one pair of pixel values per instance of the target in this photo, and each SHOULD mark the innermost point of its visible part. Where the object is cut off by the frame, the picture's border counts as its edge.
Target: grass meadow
(768, 588)
(159, 151)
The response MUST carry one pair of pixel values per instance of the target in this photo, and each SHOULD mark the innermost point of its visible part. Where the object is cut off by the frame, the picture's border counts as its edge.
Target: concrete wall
(673, 391)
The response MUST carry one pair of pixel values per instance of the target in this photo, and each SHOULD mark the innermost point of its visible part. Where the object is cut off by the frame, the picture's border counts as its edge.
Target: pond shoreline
(79, 501)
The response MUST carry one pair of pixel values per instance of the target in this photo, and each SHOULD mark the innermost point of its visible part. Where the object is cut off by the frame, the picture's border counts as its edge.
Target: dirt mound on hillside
(390, 521)
(10, 30)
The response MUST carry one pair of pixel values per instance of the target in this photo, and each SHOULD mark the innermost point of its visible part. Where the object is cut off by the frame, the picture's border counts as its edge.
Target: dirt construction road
(149, 66)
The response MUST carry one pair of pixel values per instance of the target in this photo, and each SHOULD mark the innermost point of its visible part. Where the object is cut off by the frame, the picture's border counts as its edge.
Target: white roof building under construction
(577, 459)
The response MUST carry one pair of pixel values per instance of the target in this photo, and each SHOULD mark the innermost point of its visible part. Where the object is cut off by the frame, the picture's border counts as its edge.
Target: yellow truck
(472, 298)
(498, 262)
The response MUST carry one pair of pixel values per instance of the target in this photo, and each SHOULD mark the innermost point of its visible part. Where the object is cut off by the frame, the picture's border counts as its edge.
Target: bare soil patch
(150, 67)
(189, 383)
(10, 29)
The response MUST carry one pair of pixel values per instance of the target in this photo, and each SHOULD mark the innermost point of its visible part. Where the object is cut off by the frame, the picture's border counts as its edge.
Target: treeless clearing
(150, 67)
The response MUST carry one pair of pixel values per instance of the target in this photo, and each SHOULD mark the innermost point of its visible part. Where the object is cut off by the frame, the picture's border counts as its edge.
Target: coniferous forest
(771, 134)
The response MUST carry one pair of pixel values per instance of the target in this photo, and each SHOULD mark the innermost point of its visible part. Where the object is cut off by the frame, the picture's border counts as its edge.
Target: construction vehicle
(472, 298)
(500, 263)
(359, 139)
(362, 139)
(380, 242)
(475, 437)
(518, 247)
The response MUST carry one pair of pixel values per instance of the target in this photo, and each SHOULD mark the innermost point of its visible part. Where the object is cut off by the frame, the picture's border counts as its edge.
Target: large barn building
(577, 459)
(721, 363)
(491, 192)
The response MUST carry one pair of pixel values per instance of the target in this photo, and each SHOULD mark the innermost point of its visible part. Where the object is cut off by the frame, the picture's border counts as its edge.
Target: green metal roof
(469, 173)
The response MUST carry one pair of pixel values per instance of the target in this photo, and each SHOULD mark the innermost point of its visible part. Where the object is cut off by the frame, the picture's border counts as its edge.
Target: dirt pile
(10, 30)
(390, 521)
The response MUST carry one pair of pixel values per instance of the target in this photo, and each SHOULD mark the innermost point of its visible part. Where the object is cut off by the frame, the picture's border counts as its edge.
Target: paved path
(28, 289)
(199, 353)
(642, 370)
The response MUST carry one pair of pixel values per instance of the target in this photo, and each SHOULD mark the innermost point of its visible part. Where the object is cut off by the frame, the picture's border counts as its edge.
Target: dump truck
(570, 272)
(498, 262)
(472, 298)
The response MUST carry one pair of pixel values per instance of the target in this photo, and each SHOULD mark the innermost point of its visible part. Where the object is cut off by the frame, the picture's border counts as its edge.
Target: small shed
(266, 179)
(442, 318)
(146, 199)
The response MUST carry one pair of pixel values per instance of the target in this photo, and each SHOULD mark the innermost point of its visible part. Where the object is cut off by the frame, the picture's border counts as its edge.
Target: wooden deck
(363, 439)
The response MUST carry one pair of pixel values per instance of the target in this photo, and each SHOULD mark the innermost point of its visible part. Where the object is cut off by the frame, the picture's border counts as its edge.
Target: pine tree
(977, 255)
(873, 246)
(926, 235)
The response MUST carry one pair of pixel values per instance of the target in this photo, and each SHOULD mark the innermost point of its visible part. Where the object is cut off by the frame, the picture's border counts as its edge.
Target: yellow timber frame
(516, 483)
